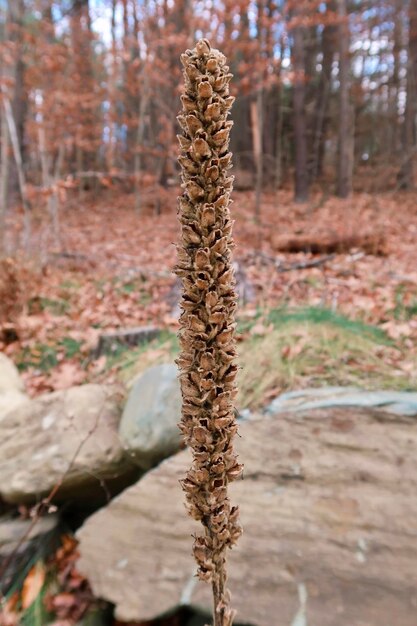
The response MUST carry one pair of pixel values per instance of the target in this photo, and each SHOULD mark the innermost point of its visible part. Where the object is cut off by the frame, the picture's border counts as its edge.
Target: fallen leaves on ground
(62, 593)
(114, 270)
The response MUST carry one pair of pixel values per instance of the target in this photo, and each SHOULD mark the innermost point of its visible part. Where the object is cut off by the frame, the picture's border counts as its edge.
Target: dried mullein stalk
(206, 362)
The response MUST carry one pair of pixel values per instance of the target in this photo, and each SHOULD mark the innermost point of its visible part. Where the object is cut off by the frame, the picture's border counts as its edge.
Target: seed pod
(212, 65)
(205, 90)
(195, 192)
(188, 103)
(207, 325)
(212, 173)
(213, 112)
(208, 216)
(202, 258)
(201, 148)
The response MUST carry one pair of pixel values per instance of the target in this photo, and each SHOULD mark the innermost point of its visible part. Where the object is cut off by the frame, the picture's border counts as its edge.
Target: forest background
(324, 145)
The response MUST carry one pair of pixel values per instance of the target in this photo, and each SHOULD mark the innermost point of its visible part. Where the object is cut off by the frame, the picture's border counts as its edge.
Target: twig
(302, 265)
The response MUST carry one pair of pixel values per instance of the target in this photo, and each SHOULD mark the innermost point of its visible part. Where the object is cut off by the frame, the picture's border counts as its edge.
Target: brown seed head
(207, 321)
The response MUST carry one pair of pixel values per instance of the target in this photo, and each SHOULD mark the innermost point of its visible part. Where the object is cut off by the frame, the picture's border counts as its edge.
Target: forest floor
(112, 269)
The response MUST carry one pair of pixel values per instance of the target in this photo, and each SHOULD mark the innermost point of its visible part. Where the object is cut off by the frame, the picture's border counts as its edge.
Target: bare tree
(345, 138)
(4, 175)
(406, 174)
(4, 159)
(300, 127)
(15, 19)
(328, 43)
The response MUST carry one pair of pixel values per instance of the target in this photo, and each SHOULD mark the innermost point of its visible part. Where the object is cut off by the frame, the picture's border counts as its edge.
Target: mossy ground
(289, 349)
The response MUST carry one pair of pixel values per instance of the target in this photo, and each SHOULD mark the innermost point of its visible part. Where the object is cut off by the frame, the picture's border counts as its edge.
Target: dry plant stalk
(206, 362)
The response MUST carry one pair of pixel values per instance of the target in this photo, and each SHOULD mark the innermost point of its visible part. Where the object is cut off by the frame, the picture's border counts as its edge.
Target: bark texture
(346, 134)
(300, 127)
(207, 369)
(406, 174)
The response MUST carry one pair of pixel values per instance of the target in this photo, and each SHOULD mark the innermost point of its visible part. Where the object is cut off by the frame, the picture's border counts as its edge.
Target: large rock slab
(398, 402)
(12, 391)
(329, 513)
(149, 425)
(68, 437)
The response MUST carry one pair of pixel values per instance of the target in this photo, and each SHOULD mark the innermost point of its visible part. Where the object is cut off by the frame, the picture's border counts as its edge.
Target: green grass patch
(318, 315)
(44, 356)
(56, 306)
(70, 284)
(315, 351)
(129, 363)
(126, 287)
(405, 304)
(40, 356)
(292, 349)
(71, 347)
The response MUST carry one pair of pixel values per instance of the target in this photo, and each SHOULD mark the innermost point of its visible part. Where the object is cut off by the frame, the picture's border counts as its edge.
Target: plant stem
(206, 362)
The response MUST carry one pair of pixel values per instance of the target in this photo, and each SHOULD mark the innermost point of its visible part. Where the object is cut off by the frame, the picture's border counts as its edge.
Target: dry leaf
(33, 584)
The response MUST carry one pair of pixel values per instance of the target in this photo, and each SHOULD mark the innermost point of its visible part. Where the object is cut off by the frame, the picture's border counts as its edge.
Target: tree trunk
(395, 83)
(4, 156)
(11, 126)
(112, 116)
(4, 174)
(15, 19)
(138, 161)
(241, 143)
(257, 125)
(345, 139)
(300, 130)
(323, 97)
(87, 136)
(406, 174)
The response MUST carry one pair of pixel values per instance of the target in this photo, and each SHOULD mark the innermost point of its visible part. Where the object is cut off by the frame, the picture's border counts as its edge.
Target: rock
(16, 555)
(398, 402)
(69, 436)
(148, 428)
(12, 391)
(329, 514)
(12, 530)
(10, 401)
(9, 376)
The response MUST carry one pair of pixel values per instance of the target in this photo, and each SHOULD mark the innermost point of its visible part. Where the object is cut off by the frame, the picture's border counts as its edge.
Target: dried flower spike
(206, 362)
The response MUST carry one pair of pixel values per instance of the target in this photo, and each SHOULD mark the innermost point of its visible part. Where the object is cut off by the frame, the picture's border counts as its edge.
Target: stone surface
(20, 540)
(329, 513)
(12, 391)
(148, 428)
(12, 530)
(69, 436)
(398, 402)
